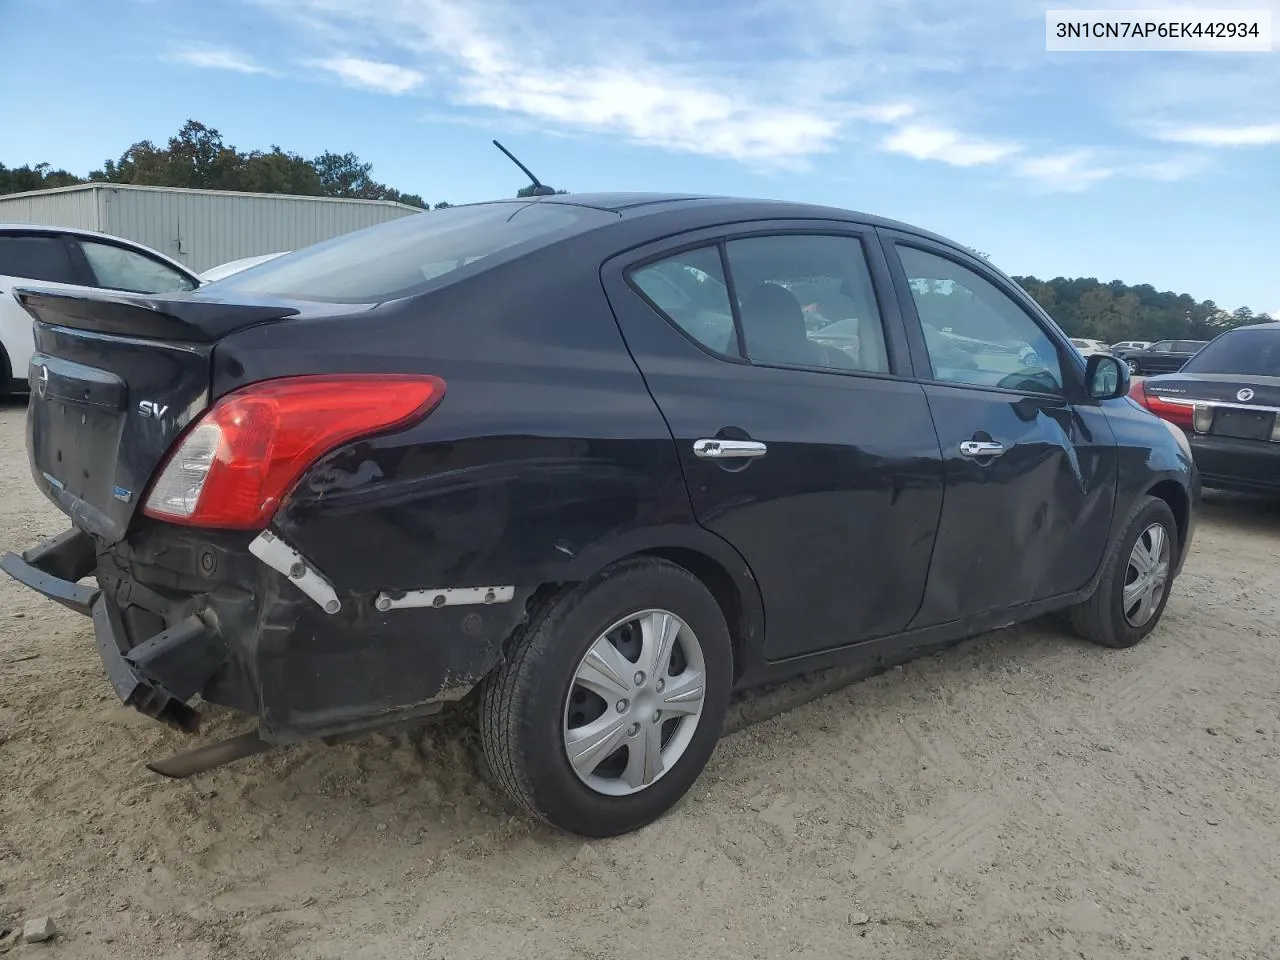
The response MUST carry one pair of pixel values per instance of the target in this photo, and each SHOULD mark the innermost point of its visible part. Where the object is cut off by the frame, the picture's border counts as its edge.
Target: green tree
(1114, 311)
(529, 191)
(38, 177)
(198, 157)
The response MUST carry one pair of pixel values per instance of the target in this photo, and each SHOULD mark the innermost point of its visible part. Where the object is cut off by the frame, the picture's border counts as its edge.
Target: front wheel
(611, 700)
(1136, 577)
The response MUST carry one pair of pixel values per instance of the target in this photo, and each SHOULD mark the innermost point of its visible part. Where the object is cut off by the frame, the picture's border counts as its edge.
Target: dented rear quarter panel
(546, 460)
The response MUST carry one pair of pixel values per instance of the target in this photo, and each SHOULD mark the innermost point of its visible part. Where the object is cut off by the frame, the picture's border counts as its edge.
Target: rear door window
(119, 268)
(807, 299)
(399, 258)
(36, 258)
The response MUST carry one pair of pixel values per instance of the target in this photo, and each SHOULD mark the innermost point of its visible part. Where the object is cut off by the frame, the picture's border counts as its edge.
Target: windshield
(1253, 353)
(398, 258)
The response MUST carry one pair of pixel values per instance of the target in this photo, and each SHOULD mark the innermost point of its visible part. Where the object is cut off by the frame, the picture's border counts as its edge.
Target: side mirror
(1107, 377)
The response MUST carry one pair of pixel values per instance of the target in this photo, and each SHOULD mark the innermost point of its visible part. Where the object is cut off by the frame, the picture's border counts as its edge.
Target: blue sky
(1161, 168)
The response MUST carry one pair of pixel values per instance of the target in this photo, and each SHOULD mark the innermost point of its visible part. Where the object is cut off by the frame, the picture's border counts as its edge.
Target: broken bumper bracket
(54, 567)
(155, 677)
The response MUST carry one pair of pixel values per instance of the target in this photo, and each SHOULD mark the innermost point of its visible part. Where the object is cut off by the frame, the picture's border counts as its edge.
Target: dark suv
(591, 462)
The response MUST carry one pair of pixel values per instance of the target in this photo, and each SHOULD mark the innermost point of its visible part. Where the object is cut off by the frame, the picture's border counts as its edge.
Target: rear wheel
(1135, 582)
(1134, 367)
(612, 699)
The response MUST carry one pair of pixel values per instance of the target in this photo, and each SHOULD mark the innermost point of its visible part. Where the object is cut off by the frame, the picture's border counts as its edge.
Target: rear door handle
(981, 448)
(726, 449)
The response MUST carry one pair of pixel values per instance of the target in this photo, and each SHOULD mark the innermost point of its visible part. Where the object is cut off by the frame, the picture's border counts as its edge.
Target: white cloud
(1246, 135)
(218, 59)
(1077, 170)
(929, 142)
(932, 80)
(1069, 172)
(372, 75)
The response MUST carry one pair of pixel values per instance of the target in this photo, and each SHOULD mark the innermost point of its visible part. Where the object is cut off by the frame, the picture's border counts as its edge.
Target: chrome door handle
(725, 449)
(981, 448)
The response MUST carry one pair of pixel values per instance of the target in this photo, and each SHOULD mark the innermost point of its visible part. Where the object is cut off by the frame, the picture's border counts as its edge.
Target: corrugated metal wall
(71, 208)
(200, 228)
(204, 229)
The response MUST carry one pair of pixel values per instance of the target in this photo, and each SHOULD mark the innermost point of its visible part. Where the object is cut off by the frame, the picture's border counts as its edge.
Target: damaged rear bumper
(155, 677)
(179, 612)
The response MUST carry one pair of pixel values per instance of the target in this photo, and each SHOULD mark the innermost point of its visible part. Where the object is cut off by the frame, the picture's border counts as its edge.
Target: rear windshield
(399, 258)
(1248, 352)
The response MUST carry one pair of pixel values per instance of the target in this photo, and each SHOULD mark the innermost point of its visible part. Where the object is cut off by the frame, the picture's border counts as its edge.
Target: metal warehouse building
(199, 228)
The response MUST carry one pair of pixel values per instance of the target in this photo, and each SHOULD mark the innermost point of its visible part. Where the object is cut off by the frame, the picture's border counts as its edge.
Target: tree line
(197, 157)
(1115, 311)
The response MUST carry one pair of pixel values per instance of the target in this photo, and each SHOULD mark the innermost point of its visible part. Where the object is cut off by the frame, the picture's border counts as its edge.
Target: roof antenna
(539, 190)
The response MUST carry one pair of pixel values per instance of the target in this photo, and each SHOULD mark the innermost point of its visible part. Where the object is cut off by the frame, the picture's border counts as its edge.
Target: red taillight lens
(233, 468)
(1178, 413)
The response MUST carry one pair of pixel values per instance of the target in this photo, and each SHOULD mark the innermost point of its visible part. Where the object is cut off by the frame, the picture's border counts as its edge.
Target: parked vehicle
(520, 452)
(224, 270)
(60, 258)
(1089, 347)
(1226, 398)
(1162, 357)
(1130, 345)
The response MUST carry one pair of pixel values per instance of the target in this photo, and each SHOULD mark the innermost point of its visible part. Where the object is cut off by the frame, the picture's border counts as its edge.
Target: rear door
(1030, 465)
(776, 353)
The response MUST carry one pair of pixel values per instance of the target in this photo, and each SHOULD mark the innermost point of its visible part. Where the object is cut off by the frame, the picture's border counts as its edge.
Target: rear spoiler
(154, 318)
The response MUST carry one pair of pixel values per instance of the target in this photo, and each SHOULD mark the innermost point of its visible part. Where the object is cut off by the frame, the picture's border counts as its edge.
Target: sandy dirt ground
(1021, 795)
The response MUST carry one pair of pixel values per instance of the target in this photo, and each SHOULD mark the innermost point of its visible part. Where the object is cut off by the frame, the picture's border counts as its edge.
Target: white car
(224, 270)
(61, 258)
(1089, 347)
(1131, 345)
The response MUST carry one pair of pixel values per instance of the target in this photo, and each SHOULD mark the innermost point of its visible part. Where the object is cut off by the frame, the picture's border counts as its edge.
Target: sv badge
(149, 408)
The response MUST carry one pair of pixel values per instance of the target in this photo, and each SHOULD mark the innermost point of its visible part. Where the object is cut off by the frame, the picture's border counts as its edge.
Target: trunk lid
(1244, 407)
(1217, 387)
(114, 379)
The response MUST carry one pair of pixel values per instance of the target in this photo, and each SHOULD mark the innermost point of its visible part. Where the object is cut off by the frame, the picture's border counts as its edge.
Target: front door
(777, 361)
(1030, 464)
(1163, 357)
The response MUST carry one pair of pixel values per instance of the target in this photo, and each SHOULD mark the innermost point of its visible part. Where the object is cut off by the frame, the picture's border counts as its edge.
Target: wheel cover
(1147, 575)
(634, 703)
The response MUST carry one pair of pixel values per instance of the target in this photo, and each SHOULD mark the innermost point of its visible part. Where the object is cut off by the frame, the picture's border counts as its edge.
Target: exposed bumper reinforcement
(54, 567)
(155, 677)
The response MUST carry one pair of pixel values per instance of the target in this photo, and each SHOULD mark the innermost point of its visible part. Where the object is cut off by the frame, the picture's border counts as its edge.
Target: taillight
(1179, 413)
(232, 469)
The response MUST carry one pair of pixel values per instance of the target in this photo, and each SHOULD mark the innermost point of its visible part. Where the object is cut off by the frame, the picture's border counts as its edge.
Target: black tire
(1101, 618)
(522, 709)
(6, 376)
(1135, 368)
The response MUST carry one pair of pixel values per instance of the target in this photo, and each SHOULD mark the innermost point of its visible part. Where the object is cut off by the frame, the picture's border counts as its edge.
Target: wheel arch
(716, 564)
(1176, 496)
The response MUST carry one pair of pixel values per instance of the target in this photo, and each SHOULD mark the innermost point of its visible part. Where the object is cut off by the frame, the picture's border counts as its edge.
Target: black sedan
(1226, 398)
(1162, 357)
(581, 462)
